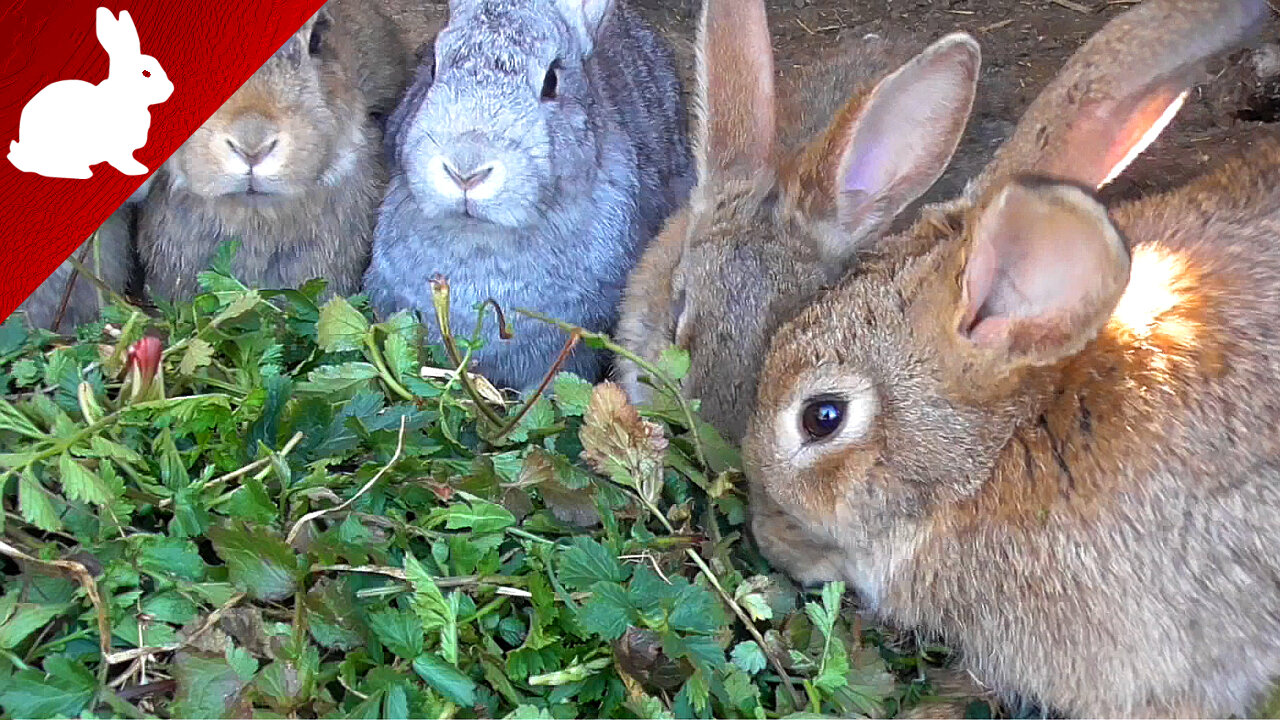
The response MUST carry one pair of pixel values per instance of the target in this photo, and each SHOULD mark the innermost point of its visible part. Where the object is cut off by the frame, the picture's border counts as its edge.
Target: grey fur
(592, 174)
(114, 263)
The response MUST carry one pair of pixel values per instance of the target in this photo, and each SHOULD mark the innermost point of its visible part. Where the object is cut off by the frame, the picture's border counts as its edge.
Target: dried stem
(302, 521)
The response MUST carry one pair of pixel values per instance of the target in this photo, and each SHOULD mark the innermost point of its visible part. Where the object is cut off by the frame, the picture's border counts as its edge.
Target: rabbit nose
(470, 180)
(254, 152)
(480, 182)
(253, 138)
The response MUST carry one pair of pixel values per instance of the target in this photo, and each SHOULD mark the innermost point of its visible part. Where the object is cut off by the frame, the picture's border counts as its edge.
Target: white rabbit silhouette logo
(72, 125)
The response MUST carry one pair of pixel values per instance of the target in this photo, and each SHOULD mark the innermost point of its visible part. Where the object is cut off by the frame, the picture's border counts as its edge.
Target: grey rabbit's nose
(253, 139)
(469, 180)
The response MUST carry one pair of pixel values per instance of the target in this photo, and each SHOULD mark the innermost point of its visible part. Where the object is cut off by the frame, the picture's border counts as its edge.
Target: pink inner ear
(1109, 136)
(1146, 130)
(980, 271)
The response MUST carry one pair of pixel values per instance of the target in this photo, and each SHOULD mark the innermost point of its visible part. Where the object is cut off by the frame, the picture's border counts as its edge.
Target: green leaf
(572, 394)
(207, 687)
(257, 561)
(608, 612)
(65, 691)
(172, 556)
(341, 327)
(431, 607)
(697, 610)
(26, 619)
(395, 703)
(400, 631)
(12, 419)
(338, 378)
(482, 517)
(199, 354)
(80, 484)
(446, 679)
(586, 562)
(748, 656)
(34, 503)
(674, 363)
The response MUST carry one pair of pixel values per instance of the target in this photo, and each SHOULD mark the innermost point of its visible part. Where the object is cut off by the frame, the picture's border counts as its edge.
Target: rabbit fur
(290, 165)
(538, 151)
(766, 227)
(1044, 429)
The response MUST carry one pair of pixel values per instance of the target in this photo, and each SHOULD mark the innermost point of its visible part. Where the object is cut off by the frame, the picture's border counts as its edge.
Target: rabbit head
(896, 393)
(506, 122)
(769, 225)
(299, 122)
(141, 74)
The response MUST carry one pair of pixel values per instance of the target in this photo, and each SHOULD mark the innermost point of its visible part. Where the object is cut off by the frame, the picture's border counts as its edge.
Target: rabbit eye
(146, 73)
(822, 417)
(551, 83)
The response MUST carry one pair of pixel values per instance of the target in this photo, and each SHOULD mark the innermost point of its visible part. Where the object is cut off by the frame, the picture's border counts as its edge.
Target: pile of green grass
(293, 519)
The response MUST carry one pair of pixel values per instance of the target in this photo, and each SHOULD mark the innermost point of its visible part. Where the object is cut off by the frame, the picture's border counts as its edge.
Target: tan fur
(316, 219)
(1095, 524)
(762, 233)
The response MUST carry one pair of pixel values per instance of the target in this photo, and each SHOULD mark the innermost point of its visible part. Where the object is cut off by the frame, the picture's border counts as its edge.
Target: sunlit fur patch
(1159, 281)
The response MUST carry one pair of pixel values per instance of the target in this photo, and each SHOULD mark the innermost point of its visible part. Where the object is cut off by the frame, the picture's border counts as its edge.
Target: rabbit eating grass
(1044, 429)
(769, 224)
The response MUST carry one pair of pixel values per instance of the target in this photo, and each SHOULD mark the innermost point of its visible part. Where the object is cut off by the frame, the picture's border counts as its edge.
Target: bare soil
(1024, 43)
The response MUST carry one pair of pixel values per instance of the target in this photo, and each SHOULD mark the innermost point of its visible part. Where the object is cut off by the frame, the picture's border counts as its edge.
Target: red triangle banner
(208, 48)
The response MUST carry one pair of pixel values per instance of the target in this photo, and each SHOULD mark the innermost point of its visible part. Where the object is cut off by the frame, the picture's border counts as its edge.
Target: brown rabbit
(112, 258)
(1046, 431)
(291, 165)
(787, 192)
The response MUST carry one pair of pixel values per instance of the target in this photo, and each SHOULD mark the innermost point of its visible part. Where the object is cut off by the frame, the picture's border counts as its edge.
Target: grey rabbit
(112, 258)
(1043, 427)
(537, 152)
(291, 165)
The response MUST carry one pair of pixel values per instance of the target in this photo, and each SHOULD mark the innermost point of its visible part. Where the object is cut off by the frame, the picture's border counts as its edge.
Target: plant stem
(728, 600)
(653, 370)
(375, 355)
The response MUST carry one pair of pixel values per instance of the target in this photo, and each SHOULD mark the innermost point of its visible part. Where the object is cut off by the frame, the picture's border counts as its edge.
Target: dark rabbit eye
(316, 43)
(146, 73)
(551, 83)
(822, 417)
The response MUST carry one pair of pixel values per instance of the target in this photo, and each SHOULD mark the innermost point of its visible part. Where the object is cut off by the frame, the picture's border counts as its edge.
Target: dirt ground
(1024, 43)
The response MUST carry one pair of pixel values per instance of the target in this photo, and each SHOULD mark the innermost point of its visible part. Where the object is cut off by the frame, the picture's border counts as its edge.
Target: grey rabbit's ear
(1115, 95)
(1045, 270)
(585, 17)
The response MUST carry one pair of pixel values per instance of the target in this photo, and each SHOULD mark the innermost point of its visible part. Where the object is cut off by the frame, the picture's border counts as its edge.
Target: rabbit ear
(586, 18)
(118, 37)
(1045, 270)
(884, 151)
(736, 118)
(1121, 88)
